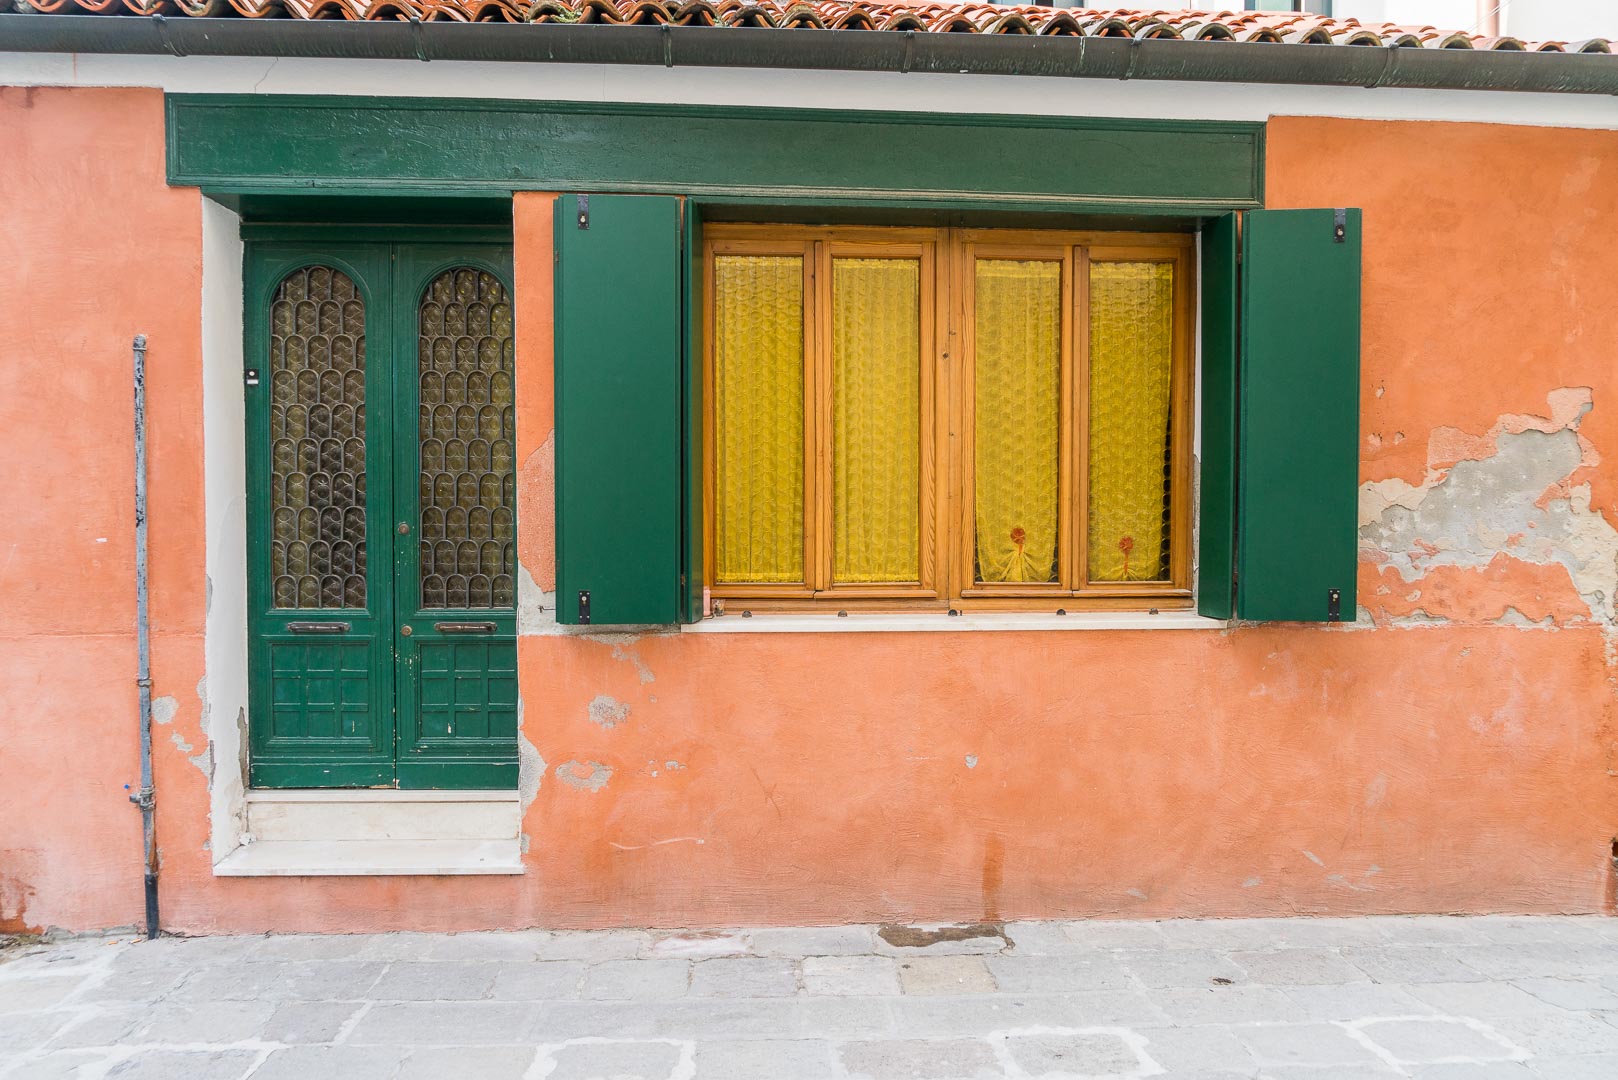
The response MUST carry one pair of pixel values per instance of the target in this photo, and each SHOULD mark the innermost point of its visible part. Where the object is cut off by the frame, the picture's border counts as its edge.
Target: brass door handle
(464, 627)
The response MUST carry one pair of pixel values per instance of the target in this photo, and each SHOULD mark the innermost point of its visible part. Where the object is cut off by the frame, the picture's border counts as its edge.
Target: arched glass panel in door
(317, 441)
(467, 365)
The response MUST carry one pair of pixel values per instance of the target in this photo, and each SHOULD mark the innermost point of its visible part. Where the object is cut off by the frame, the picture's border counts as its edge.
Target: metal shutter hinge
(1334, 605)
(584, 606)
(584, 212)
(1339, 226)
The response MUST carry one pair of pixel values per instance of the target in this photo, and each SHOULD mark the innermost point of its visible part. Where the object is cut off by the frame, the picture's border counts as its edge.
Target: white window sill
(933, 622)
(371, 858)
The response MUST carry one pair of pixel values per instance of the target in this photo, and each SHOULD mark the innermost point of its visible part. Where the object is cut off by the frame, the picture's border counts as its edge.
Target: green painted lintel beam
(261, 144)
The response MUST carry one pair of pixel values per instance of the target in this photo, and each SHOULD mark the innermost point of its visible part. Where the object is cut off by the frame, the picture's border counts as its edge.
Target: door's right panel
(456, 485)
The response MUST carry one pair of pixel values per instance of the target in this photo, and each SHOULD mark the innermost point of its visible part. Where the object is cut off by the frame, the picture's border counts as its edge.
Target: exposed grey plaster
(608, 712)
(164, 709)
(536, 608)
(530, 771)
(1513, 617)
(1476, 510)
(204, 761)
(179, 741)
(595, 780)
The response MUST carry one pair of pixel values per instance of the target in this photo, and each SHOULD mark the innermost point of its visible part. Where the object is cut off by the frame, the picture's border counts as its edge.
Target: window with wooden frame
(974, 419)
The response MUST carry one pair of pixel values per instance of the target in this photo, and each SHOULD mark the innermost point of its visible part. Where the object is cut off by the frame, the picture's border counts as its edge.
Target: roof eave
(825, 50)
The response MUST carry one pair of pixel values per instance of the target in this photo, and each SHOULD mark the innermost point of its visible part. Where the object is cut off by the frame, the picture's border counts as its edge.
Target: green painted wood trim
(358, 233)
(692, 507)
(618, 403)
(1216, 514)
(271, 144)
(1300, 409)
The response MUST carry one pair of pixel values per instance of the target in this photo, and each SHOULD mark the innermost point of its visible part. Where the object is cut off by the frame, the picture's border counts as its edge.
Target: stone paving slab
(1427, 998)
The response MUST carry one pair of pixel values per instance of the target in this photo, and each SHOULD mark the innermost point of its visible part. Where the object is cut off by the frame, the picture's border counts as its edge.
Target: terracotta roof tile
(1259, 26)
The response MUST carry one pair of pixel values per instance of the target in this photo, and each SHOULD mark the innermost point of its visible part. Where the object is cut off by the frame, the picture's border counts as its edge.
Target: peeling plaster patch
(164, 709)
(530, 771)
(204, 763)
(971, 761)
(1512, 617)
(1376, 791)
(1312, 857)
(1508, 491)
(608, 712)
(536, 608)
(584, 775)
(1137, 894)
(178, 740)
(1252, 883)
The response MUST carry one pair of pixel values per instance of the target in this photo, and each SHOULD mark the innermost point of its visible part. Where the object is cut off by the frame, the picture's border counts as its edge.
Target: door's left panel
(319, 553)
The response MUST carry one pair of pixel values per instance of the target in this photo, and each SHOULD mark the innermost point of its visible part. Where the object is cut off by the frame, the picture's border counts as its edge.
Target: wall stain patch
(920, 937)
(584, 775)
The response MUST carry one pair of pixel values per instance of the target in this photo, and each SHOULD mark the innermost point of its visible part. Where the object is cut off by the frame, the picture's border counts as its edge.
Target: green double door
(381, 515)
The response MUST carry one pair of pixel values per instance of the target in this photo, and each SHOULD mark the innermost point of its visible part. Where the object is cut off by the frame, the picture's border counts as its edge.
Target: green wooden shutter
(1298, 476)
(1216, 517)
(618, 400)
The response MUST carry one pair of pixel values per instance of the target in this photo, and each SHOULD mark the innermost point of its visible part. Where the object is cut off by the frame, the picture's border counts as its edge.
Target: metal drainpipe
(146, 797)
(1489, 17)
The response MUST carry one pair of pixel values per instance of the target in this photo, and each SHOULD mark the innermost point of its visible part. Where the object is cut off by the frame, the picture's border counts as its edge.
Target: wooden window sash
(1180, 378)
(946, 514)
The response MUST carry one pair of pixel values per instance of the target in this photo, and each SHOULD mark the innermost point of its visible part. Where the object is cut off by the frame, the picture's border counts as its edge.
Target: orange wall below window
(1435, 759)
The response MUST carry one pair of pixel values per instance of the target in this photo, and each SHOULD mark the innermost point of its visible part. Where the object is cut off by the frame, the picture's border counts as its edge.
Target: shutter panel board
(618, 399)
(692, 524)
(1216, 516)
(1298, 481)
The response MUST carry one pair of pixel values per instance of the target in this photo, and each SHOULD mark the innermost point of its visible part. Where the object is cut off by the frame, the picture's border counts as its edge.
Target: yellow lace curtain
(758, 418)
(876, 420)
(1017, 363)
(1131, 360)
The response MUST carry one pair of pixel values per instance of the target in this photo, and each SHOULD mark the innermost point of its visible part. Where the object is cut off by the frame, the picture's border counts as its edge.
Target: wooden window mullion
(1078, 400)
(822, 461)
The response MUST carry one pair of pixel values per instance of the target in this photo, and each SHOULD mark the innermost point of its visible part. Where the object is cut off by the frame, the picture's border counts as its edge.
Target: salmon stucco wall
(1453, 751)
(96, 249)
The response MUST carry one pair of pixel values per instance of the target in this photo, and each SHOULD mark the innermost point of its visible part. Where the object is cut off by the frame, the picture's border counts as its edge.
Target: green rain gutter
(821, 50)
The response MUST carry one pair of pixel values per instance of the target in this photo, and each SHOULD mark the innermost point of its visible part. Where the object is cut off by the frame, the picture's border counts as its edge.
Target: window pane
(1017, 361)
(876, 420)
(758, 418)
(317, 441)
(466, 353)
(1131, 358)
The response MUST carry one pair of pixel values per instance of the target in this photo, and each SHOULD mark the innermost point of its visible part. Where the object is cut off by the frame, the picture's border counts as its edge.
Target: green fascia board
(238, 144)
